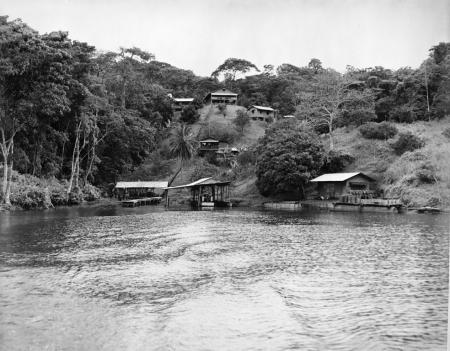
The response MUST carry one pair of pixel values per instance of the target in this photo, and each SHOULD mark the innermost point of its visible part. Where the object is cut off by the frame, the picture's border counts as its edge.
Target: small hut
(208, 146)
(261, 113)
(139, 189)
(333, 185)
(179, 103)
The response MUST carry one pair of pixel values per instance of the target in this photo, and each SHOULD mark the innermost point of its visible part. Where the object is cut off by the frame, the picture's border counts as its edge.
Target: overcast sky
(200, 34)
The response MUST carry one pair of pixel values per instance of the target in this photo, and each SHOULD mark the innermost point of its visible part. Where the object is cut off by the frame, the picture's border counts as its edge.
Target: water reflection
(231, 280)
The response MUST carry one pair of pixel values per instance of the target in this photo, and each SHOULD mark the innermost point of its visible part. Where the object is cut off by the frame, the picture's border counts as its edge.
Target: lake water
(108, 278)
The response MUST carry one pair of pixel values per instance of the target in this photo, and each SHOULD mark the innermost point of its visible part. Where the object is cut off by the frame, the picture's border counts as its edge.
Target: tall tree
(231, 67)
(315, 65)
(127, 64)
(328, 96)
(288, 156)
(35, 86)
(181, 145)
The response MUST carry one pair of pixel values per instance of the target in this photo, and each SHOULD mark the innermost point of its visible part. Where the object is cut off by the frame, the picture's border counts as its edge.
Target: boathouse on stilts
(206, 192)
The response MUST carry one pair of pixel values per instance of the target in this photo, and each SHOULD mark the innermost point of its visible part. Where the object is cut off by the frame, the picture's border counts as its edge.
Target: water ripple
(229, 280)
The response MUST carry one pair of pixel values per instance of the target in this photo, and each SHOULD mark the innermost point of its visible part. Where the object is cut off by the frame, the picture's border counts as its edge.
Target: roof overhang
(339, 177)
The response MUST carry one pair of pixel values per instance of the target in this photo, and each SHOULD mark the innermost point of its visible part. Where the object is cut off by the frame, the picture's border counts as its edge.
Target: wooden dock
(142, 202)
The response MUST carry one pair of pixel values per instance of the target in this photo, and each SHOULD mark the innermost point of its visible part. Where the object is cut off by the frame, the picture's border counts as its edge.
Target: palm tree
(181, 145)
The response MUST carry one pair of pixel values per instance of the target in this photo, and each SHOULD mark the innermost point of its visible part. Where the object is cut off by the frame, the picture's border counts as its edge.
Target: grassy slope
(395, 173)
(243, 190)
(374, 157)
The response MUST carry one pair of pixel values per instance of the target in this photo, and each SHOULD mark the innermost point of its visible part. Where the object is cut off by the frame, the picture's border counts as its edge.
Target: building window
(358, 186)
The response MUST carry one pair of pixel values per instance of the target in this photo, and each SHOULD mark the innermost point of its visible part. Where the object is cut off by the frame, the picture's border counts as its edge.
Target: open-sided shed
(207, 192)
(139, 189)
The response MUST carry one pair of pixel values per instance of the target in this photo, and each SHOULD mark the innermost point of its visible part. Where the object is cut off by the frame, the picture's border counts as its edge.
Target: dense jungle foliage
(70, 112)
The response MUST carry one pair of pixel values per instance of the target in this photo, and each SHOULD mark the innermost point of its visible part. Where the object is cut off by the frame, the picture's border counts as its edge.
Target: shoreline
(93, 203)
(240, 204)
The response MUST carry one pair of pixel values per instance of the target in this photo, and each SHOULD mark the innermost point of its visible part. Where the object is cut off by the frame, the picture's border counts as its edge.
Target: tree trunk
(75, 159)
(91, 154)
(330, 128)
(8, 185)
(122, 93)
(5, 175)
(175, 175)
(7, 148)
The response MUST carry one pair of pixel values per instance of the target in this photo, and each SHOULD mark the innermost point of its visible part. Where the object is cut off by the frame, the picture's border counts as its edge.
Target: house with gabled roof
(333, 185)
(221, 96)
(207, 146)
(261, 113)
(179, 103)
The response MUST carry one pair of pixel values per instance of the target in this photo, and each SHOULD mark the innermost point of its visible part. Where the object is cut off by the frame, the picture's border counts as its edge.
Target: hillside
(400, 175)
(211, 115)
(243, 189)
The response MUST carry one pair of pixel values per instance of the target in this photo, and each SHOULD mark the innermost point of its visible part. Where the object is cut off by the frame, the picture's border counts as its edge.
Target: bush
(336, 161)
(247, 157)
(218, 131)
(90, 193)
(356, 118)
(403, 114)
(222, 109)
(425, 175)
(59, 197)
(446, 132)
(189, 115)
(31, 197)
(75, 197)
(382, 131)
(203, 169)
(407, 142)
(242, 119)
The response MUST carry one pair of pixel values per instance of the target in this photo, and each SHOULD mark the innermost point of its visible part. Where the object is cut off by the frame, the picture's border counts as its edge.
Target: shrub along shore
(29, 192)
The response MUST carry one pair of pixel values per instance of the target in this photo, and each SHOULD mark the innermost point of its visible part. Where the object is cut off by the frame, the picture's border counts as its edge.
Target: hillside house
(261, 113)
(208, 146)
(333, 185)
(222, 96)
(227, 152)
(179, 103)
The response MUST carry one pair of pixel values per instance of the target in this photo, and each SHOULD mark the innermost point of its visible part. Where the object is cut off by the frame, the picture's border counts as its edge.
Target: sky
(200, 34)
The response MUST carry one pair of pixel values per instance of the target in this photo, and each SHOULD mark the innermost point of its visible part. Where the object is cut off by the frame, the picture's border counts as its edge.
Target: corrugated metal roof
(209, 141)
(338, 177)
(190, 184)
(184, 99)
(262, 108)
(223, 92)
(213, 181)
(139, 184)
(203, 181)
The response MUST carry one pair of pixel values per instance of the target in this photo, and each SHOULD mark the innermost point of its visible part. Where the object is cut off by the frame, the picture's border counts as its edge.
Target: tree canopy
(71, 112)
(287, 158)
(232, 66)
